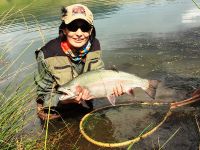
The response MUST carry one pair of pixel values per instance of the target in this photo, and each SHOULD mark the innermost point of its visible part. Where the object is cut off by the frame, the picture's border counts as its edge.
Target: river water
(155, 39)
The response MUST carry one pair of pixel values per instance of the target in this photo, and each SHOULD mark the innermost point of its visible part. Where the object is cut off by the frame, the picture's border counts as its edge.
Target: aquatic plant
(196, 4)
(17, 105)
(16, 96)
(15, 110)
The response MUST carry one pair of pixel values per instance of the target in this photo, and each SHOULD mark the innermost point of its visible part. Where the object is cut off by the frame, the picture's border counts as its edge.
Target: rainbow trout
(100, 83)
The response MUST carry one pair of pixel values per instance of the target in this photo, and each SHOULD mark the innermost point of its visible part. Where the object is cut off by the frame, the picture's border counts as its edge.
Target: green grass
(16, 96)
(14, 115)
(15, 108)
(197, 5)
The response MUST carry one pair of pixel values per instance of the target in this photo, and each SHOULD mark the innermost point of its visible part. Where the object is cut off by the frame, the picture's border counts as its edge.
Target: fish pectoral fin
(111, 99)
(84, 104)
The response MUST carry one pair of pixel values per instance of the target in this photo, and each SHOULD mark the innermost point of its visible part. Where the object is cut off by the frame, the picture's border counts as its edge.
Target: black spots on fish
(151, 91)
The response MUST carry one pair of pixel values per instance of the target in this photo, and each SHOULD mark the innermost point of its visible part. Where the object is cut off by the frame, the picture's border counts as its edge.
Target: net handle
(195, 97)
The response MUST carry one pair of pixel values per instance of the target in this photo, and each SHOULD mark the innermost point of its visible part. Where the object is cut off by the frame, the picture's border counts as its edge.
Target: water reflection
(191, 16)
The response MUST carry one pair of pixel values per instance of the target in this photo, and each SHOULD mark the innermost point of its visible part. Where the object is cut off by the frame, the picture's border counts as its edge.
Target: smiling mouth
(78, 40)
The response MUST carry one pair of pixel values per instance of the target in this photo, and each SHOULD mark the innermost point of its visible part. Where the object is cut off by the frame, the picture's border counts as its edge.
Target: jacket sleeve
(44, 81)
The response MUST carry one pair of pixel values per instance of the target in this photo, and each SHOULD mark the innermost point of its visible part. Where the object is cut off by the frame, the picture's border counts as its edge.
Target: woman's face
(78, 33)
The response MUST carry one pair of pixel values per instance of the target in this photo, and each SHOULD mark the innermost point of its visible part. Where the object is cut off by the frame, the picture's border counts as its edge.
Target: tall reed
(14, 114)
(16, 96)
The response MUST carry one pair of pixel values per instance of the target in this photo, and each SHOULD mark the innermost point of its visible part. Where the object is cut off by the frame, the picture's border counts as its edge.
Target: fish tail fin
(151, 90)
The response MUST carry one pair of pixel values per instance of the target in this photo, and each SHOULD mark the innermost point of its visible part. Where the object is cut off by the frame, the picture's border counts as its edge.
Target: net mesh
(123, 122)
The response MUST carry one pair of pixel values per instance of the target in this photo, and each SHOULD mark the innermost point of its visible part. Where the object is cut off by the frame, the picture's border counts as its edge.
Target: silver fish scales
(100, 83)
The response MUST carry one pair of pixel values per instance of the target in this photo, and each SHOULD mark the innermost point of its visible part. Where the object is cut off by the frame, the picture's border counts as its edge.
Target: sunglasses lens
(85, 27)
(74, 27)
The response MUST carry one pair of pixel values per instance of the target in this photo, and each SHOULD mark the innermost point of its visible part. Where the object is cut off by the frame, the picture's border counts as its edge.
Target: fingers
(115, 92)
(83, 94)
(118, 90)
(79, 89)
(79, 97)
(44, 116)
(86, 95)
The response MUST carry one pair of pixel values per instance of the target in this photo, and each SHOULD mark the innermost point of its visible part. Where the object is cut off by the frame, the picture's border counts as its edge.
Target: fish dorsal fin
(114, 68)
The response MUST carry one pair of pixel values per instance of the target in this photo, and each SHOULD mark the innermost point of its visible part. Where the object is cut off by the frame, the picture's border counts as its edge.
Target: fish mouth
(63, 97)
(66, 94)
(62, 90)
(66, 97)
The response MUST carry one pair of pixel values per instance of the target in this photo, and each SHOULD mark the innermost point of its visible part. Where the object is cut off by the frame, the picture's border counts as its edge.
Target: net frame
(124, 143)
(195, 97)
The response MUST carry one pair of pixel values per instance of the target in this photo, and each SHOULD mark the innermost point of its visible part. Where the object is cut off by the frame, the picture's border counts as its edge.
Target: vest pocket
(95, 64)
(63, 74)
(61, 67)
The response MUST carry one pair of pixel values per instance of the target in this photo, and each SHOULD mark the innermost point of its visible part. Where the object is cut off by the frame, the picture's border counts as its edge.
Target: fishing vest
(59, 64)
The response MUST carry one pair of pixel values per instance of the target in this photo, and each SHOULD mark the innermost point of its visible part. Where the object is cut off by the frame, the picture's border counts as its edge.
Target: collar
(76, 55)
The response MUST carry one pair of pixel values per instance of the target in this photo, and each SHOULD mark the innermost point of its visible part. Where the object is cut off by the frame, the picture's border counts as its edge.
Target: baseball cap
(77, 11)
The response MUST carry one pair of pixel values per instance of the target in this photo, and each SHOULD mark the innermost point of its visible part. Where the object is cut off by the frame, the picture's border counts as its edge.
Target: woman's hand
(44, 116)
(118, 90)
(83, 94)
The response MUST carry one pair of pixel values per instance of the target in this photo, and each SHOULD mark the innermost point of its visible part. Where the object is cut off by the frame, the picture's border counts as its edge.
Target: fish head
(66, 93)
(63, 90)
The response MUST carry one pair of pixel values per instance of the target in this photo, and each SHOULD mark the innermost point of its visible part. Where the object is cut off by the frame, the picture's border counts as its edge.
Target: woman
(74, 52)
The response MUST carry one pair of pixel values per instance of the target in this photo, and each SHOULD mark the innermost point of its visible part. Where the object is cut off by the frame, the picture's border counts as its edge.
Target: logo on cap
(78, 10)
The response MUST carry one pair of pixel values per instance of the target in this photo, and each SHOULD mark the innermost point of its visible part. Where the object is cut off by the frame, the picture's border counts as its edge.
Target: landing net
(123, 124)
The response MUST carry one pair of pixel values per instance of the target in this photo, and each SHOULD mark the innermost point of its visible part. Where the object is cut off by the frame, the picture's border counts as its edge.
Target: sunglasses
(85, 27)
